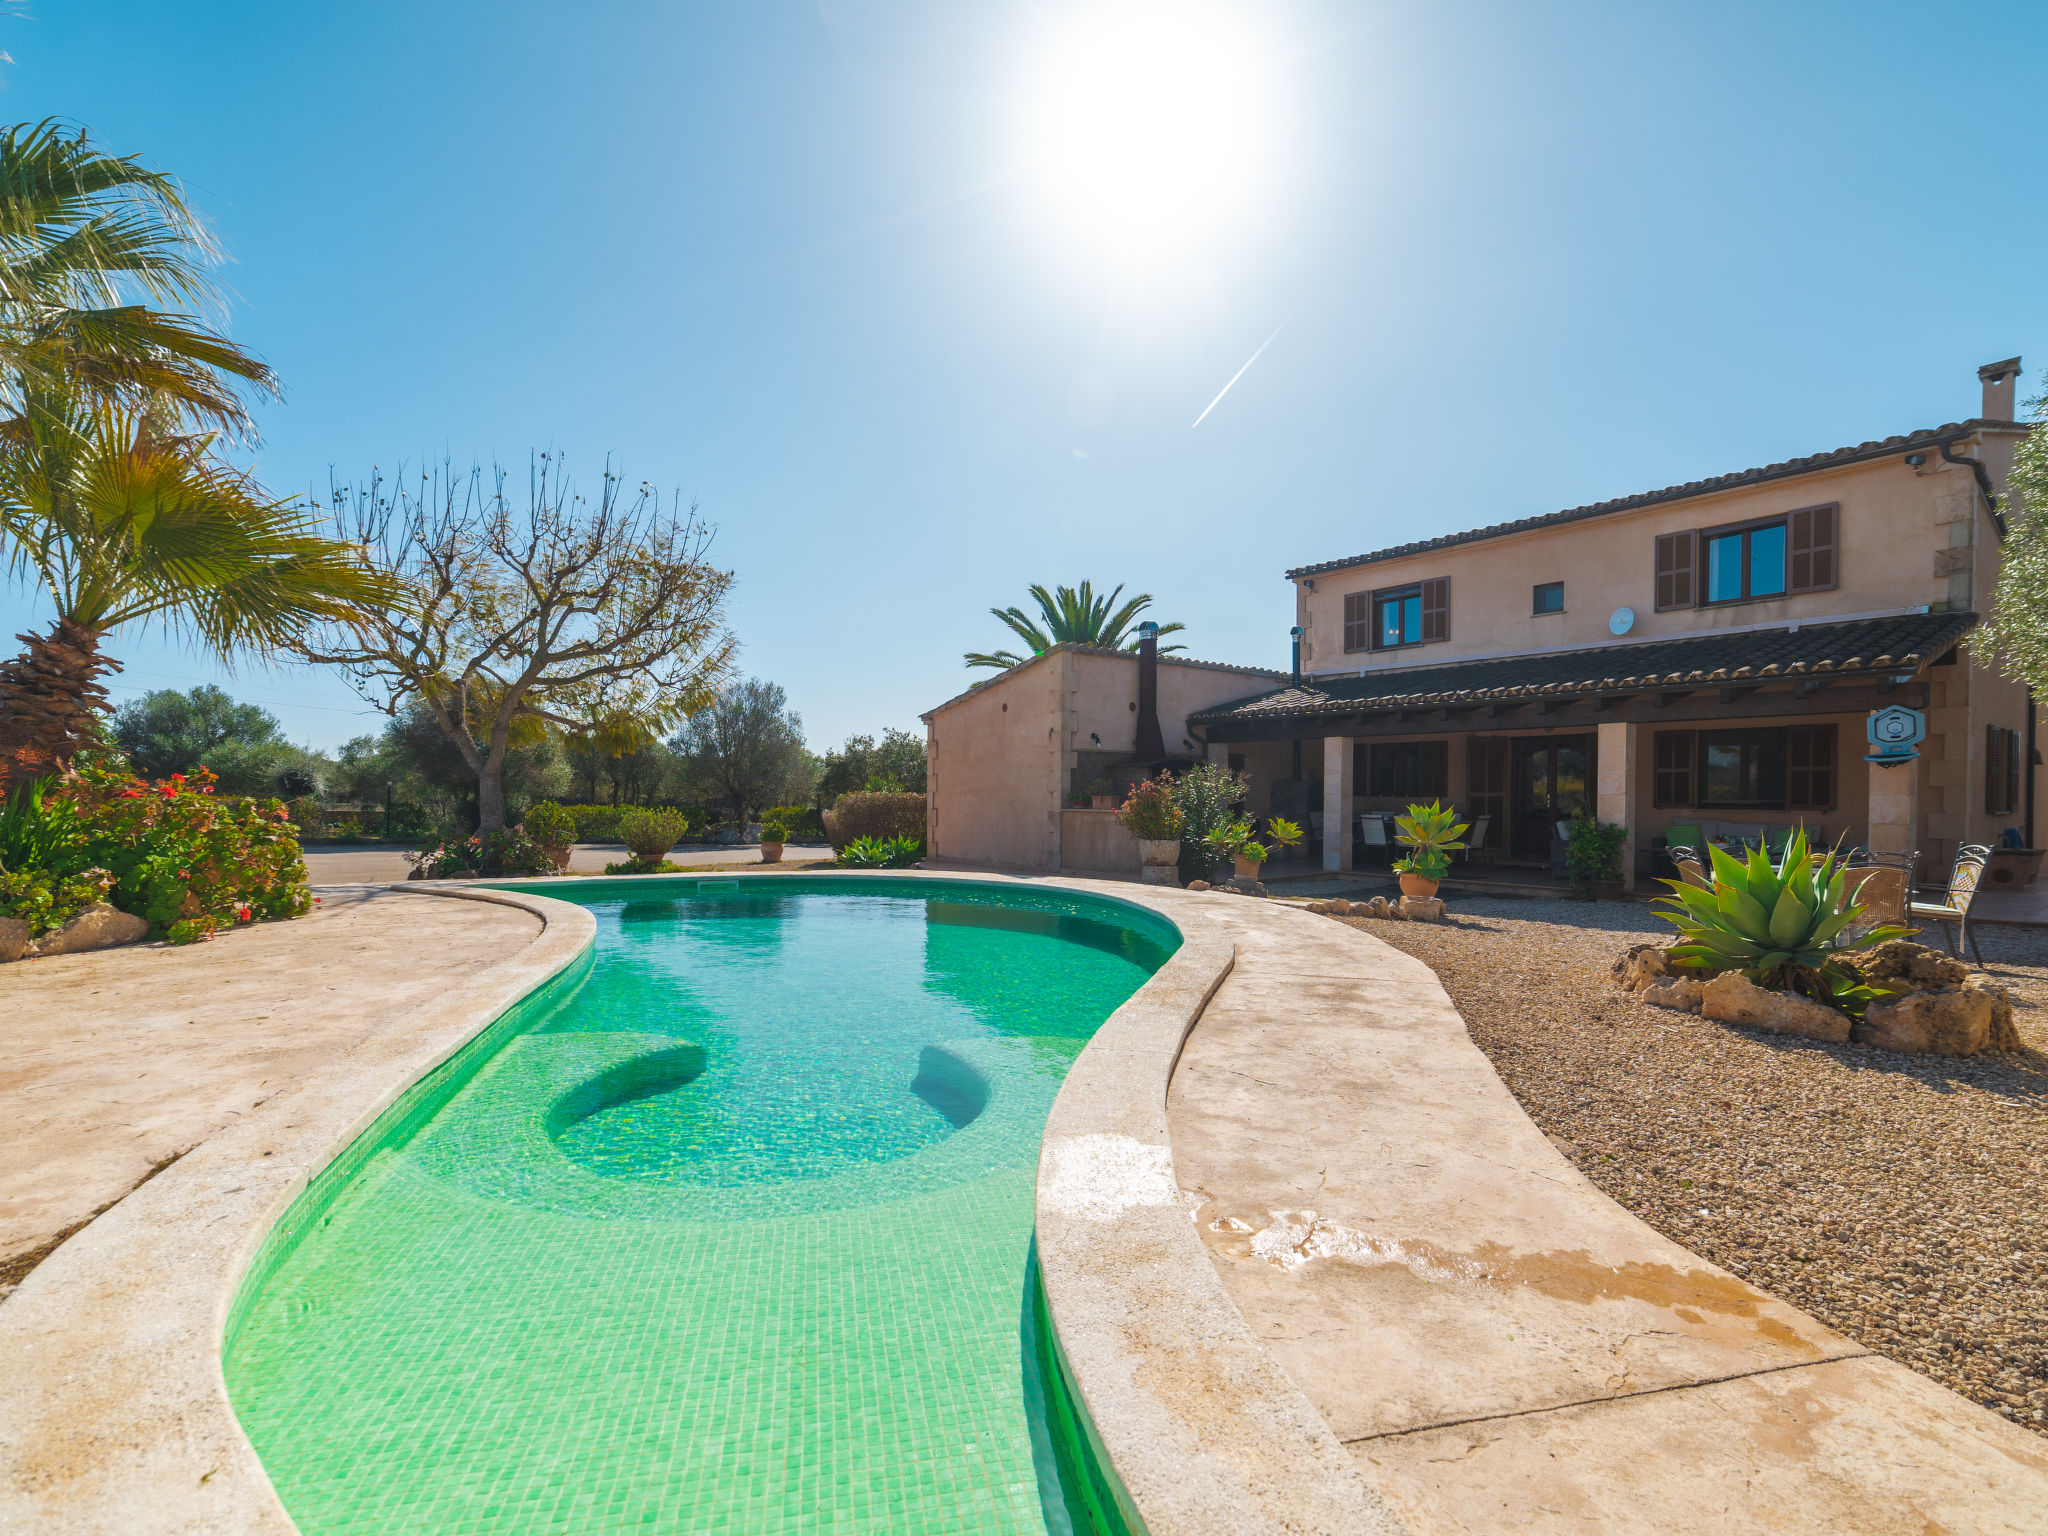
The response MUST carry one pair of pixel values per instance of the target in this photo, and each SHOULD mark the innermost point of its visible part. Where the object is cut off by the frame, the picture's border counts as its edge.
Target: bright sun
(1146, 127)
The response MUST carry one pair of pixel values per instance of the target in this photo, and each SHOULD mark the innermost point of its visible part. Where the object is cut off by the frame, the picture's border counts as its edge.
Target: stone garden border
(114, 1414)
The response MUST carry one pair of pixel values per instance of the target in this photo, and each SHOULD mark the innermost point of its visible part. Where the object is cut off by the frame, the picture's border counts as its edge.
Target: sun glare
(1146, 127)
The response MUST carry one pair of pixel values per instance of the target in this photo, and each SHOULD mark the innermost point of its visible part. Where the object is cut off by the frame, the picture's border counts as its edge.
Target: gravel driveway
(1898, 1198)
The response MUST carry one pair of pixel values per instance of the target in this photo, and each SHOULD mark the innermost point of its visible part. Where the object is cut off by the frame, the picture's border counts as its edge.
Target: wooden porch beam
(1671, 696)
(1608, 703)
(1735, 695)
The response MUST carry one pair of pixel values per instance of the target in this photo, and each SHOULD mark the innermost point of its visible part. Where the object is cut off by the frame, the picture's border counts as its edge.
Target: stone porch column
(1614, 797)
(1337, 759)
(1894, 807)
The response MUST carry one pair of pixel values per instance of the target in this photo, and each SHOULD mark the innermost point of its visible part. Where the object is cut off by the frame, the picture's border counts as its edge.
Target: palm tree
(88, 243)
(1072, 617)
(123, 520)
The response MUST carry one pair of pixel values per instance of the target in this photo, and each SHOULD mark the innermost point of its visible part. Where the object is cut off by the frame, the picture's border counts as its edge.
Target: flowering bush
(1151, 811)
(188, 860)
(489, 854)
(47, 900)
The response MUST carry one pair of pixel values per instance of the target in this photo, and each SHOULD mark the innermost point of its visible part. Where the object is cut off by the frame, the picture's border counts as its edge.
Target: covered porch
(1730, 736)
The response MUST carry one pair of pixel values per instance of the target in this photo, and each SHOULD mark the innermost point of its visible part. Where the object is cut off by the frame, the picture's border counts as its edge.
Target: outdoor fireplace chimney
(2001, 386)
(1151, 748)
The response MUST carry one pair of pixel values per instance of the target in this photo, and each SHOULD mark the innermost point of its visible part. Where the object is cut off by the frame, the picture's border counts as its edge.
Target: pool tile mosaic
(733, 1239)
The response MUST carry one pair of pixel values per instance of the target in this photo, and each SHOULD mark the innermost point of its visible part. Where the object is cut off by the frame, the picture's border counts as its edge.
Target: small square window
(1550, 597)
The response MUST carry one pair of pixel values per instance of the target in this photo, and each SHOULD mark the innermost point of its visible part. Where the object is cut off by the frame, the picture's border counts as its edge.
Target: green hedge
(600, 823)
(876, 815)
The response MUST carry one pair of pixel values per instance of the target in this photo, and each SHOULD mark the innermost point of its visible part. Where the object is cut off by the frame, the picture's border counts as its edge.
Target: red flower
(129, 794)
(242, 913)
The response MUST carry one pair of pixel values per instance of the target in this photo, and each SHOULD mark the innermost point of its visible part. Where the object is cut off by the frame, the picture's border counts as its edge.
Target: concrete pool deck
(1312, 1269)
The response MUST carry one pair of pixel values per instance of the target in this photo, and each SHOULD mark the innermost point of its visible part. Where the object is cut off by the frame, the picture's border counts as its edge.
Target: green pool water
(728, 1229)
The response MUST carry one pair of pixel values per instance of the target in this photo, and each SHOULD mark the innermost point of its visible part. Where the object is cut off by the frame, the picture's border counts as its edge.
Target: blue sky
(808, 263)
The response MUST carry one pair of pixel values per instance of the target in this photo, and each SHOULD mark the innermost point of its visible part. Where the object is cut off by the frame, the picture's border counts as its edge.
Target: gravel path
(1898, 1198)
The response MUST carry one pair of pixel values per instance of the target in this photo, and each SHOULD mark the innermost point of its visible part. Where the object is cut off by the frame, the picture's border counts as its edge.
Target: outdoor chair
(1962, 895)
(1475, 840)
(1692, 866)
(1373, 832)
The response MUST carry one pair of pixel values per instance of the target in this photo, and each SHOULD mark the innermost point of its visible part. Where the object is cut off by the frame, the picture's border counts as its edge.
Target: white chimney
(2001, 387)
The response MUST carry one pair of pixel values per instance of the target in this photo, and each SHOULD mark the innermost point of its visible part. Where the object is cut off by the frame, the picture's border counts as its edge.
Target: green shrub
(1151, 812)
(796, 822)
(39, 831)
(550, 825)
(882, 852)
(600, 823)
(874, 815)
(1207, 797)
(651, 833)
(1592, 852)
(48, 900)
(188, 860)
(486, 855)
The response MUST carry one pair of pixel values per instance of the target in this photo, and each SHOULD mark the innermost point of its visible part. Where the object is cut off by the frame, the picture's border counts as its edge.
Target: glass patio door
(1553, 783)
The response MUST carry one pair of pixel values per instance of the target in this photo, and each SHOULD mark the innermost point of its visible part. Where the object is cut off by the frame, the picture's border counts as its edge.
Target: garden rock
(1948, 1021)
(1674, 992)
(1733, 998)
(1641, 966)
(13, 938)
(1198, 885)
(1901, 965)
(1339, 908)
(99, 926)
(1422, 909)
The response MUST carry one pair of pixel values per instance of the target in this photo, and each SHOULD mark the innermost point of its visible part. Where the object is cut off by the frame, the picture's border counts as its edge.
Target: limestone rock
(1340, 908)
(2005, 1035)
(1198, 885)
(13, 938)
(1953, 1021)
(1422, 909)
(1674, 992)
(99, 926)
(1903, 965)
(1733, 998)
(1640, 966)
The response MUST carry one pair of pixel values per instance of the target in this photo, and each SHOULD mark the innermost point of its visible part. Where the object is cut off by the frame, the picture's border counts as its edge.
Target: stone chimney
(1151, 748)
(2001, 388)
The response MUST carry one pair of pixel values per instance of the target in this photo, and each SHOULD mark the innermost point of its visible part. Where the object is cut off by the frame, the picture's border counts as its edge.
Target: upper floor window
(1549, 597)
(1798, 552)
(1392, 617)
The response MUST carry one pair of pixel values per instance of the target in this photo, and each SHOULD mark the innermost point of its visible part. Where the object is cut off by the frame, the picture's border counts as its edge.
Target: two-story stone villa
(1710, 652)
(1707, 652)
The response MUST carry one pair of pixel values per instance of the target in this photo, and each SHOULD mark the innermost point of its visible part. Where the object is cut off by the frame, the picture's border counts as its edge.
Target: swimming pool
(727, 1229)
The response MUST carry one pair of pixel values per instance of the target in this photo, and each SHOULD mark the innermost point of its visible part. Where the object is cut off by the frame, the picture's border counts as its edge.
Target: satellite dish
(1622, 620)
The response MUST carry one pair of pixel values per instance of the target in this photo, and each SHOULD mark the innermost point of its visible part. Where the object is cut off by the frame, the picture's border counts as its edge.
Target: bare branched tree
(520, 617)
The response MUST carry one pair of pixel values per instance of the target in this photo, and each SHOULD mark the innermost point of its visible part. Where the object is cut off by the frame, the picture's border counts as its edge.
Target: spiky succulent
(1761, 919)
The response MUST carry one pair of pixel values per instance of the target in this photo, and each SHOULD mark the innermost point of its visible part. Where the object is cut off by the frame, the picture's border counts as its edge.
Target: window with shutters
(1812, 539)
(1672, 763)
(2013, 749)
(1358, 621)
(1742, 768)
(1675, 562)
(1743, 561)
(1810, 767)
(1409, 615)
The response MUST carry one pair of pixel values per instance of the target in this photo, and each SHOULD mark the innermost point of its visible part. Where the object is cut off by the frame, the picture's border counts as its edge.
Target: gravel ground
(1896, 1197)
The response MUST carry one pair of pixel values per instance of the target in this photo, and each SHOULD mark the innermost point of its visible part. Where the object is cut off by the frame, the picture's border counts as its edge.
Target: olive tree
(2016, 637)
(747, 749)
(517, 617)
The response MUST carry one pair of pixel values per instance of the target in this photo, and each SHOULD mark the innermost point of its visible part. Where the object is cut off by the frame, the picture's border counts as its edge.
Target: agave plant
(1781, 926)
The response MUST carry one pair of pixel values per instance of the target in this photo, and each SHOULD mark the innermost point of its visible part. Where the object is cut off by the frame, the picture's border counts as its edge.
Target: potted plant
(549, 825)
(1430, 833)
(1102, 794)
(775, 832)
(1592, 856)
(1247, 853)
(650, 833)
(1152, 815)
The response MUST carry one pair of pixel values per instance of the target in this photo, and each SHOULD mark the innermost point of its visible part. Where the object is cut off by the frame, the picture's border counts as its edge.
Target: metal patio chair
(1372, 831)
(1963, 883)
(1692, 866)
(1475, 841)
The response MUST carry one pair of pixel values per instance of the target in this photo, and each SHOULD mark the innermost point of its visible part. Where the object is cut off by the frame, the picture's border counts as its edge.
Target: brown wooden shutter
(1672, 752)
(2013, 749)
(1810, 542)
(1994, 770)
(1436, 609)
(1357, 621)
(1810, 767)
(1675, 560)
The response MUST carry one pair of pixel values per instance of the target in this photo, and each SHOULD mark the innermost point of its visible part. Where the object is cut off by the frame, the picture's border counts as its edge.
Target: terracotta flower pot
(559, 857)
(1244, 868)
(1417, 885)
(771, 853)
(1102, 802)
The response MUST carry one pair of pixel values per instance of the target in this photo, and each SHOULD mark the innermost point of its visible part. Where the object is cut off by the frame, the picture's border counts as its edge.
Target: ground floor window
(1788, 767)
(1418, 769)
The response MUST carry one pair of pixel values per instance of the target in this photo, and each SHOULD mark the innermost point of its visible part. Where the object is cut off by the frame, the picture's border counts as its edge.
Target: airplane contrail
(1237, 375)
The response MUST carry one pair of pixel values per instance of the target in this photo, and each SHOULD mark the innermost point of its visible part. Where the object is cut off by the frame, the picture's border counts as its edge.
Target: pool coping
(114, 1414)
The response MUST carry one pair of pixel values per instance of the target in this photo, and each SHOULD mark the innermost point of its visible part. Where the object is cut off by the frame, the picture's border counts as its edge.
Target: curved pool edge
(115, 1417)
(1194, 1427)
